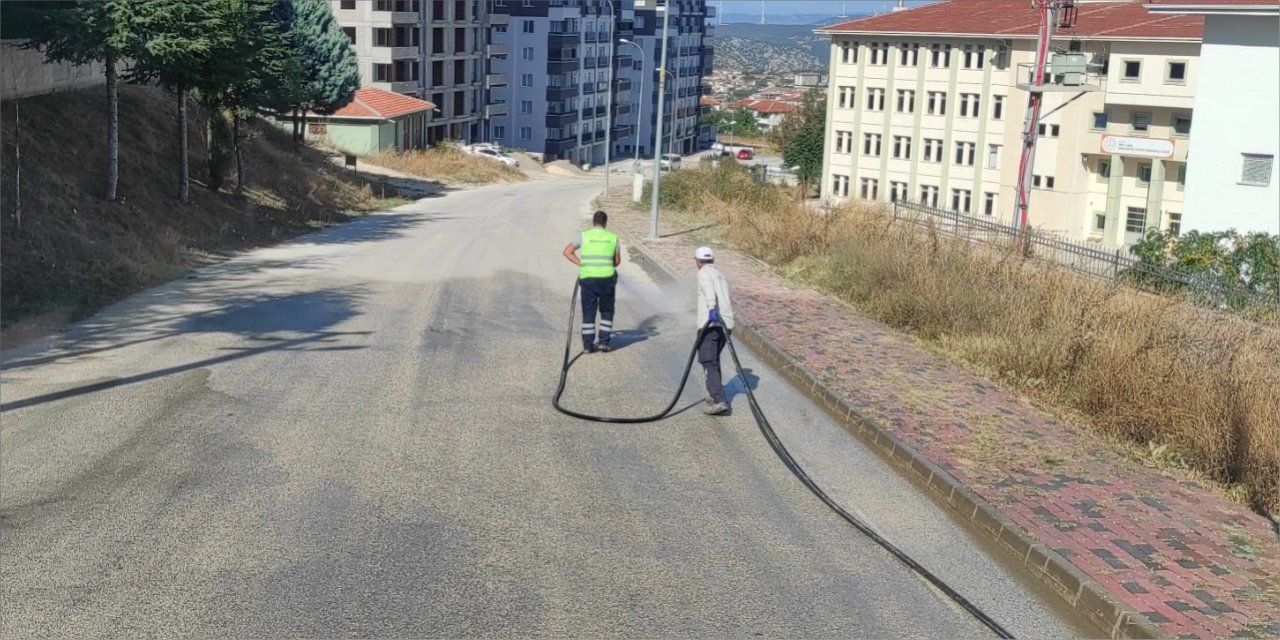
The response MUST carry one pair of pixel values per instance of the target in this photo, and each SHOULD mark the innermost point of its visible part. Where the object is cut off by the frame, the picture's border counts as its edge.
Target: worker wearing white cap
(713, 307)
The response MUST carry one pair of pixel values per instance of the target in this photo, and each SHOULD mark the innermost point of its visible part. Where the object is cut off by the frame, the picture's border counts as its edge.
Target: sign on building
(1137, 147)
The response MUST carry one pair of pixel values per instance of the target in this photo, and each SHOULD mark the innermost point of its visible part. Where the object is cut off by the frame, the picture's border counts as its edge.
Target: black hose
(775, 443)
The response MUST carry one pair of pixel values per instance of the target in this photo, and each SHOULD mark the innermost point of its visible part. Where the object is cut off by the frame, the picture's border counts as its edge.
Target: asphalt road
(350, 436)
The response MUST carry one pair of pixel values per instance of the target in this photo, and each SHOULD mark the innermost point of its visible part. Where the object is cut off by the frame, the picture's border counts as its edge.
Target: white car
(669, 161)
(497, 155)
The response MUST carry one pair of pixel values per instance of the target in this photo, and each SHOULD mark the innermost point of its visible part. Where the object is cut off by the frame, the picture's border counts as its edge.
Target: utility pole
(608, 115)
(657, 137)
(1053, 14)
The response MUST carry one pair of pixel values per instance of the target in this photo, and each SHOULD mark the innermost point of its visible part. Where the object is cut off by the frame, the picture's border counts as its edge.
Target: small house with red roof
(375, 120)
(769, 113)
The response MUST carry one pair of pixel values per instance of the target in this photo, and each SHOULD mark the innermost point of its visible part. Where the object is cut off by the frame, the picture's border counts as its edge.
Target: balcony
(400, 86)
(621, 110)
(591, 36)
(495, 80)
(623, 130)
(601, 111)
(586, 114)
(497, 49)
(602, 61)
(384, 54)
(499, 19)
(562, 38)
(588, 63)
(560, 120)
(558, 67)
(622, 84)
(495, 109)
(588, 88)
(555, 147)
(557, 94)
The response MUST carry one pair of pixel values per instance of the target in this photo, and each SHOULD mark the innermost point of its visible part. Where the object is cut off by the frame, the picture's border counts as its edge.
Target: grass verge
(1182, 386)
(71, 252)
(449, 165)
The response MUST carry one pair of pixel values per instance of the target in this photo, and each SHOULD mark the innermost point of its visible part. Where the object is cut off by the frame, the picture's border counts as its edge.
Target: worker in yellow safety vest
(597, 254)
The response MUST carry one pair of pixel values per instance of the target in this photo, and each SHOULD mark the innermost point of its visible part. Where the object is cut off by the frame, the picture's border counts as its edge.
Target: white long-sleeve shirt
(713, 293)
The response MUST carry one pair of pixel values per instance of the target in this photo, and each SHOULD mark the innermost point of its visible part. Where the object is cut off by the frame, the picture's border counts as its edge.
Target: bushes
(1223, 269)
(1197, 386)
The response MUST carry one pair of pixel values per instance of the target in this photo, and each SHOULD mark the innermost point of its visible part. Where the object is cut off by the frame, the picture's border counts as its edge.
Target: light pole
(639, 104)
(674, 88)
(657, 138)
(608, 109)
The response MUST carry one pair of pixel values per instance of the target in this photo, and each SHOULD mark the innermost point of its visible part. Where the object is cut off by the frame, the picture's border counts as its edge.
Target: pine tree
(324, 76)
(86, 32)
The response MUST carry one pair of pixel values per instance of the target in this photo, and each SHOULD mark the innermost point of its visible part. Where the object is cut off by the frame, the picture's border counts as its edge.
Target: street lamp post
(657, 138)
(639, 104)
(608, 114)
(674, 88)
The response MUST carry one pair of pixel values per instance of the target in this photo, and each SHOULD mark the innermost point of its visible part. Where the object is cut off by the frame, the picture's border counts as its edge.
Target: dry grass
(449, 165)
(73, 252)
(1191, 387)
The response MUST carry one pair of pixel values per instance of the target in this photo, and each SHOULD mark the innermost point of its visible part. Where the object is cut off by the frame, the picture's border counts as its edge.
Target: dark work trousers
(597, 293)
(709, 357)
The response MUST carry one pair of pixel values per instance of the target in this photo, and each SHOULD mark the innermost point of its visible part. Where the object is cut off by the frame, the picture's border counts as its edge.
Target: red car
(746, 154)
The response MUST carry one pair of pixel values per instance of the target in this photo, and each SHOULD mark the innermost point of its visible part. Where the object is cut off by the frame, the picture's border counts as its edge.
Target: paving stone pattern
(1192, 562)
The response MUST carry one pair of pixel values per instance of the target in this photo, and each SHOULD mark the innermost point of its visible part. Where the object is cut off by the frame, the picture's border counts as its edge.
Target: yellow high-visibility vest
(596, 253)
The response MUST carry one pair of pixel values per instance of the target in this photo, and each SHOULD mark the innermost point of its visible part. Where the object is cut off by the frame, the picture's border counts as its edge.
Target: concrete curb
(1081, 593)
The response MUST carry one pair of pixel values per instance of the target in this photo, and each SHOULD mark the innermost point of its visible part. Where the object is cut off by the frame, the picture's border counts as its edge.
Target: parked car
(669, 161)
(746, 154)
(497, 155)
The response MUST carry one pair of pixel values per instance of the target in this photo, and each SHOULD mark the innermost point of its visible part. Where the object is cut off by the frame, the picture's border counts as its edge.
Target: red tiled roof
(708, 101)
(764, 106)
(1121, 19)
(376, 103)
(1214, 6)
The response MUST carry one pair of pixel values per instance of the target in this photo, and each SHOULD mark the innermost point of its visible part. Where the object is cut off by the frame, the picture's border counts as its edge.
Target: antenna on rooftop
(761, 11)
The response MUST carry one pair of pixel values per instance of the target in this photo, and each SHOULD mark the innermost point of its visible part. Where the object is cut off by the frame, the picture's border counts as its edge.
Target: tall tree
(174, 48)
(86, 32)
(812, 112)
(324, 76)
(804, 151)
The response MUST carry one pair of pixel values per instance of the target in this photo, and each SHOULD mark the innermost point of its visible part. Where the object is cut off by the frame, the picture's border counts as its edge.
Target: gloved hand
(713, 316)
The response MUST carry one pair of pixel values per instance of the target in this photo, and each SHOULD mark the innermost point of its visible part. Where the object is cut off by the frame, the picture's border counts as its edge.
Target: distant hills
(789, 19)
(771, 48)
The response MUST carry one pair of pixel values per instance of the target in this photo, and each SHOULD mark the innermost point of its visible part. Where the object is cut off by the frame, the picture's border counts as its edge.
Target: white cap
(704, 254)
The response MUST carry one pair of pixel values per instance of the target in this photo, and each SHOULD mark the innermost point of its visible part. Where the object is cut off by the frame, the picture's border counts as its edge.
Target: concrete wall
(361, 138)
(24, 73)
(1237, 111)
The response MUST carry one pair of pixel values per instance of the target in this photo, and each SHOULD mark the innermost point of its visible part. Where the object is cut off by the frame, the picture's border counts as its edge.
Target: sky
(782, 7)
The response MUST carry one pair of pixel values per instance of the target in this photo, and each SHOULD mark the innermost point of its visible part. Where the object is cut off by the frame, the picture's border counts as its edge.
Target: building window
(526, 79)
(969, 105)
(840, 186)
(382, 73)
(1042, 182)
(499, 131)
(937, 103)
(1256, 171)
(906, 101)
(875, 99)
(526, 53)
(526, 133)
(527, 26)
(351, 33)
(844, 142)
(1099, 221)
(1144, 173)
(940, 55)
(929, 195)
(1132, 71)
(965, 152)
(1136, 220)
(1175, 223)
(974, 56)
(849, 52)
(1100, 120)
(847, 97)
(870, 189)
(1049, 130)
(989, 204)
(1104, 170)
(993, 156)
(871, 145)
(348, 5)
(897, 191)
(1181, 124)
(932, 150)
(1140, 121)
(1176, 73)
(909, 54)
(997, 107)
(960, 200)
(526, 106)
(1182, 177)
(879, 53)
(902, 147)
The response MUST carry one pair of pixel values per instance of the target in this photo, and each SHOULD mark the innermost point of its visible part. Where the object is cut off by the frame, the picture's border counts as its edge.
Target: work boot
(588, 348)
(716, 409)
(604, 347)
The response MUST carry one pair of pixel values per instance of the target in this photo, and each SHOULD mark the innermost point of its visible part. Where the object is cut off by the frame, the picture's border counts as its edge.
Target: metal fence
(1209, 289)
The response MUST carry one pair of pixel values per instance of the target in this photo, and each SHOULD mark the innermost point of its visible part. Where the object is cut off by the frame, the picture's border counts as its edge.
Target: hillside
(755, 56)
(794, 36)
(71, 251)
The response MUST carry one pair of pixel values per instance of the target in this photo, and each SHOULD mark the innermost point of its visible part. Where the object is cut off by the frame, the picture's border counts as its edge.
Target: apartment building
(929, 104)
(429, 49)
(1235, 182)
(565, 75)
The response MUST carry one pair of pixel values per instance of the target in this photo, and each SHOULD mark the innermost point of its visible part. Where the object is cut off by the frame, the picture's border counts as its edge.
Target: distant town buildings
(925, 105)
(769, 113)
(1233, 182)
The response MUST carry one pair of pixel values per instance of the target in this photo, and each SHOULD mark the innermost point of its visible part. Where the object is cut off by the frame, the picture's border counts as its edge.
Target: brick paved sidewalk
(1192, 562)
